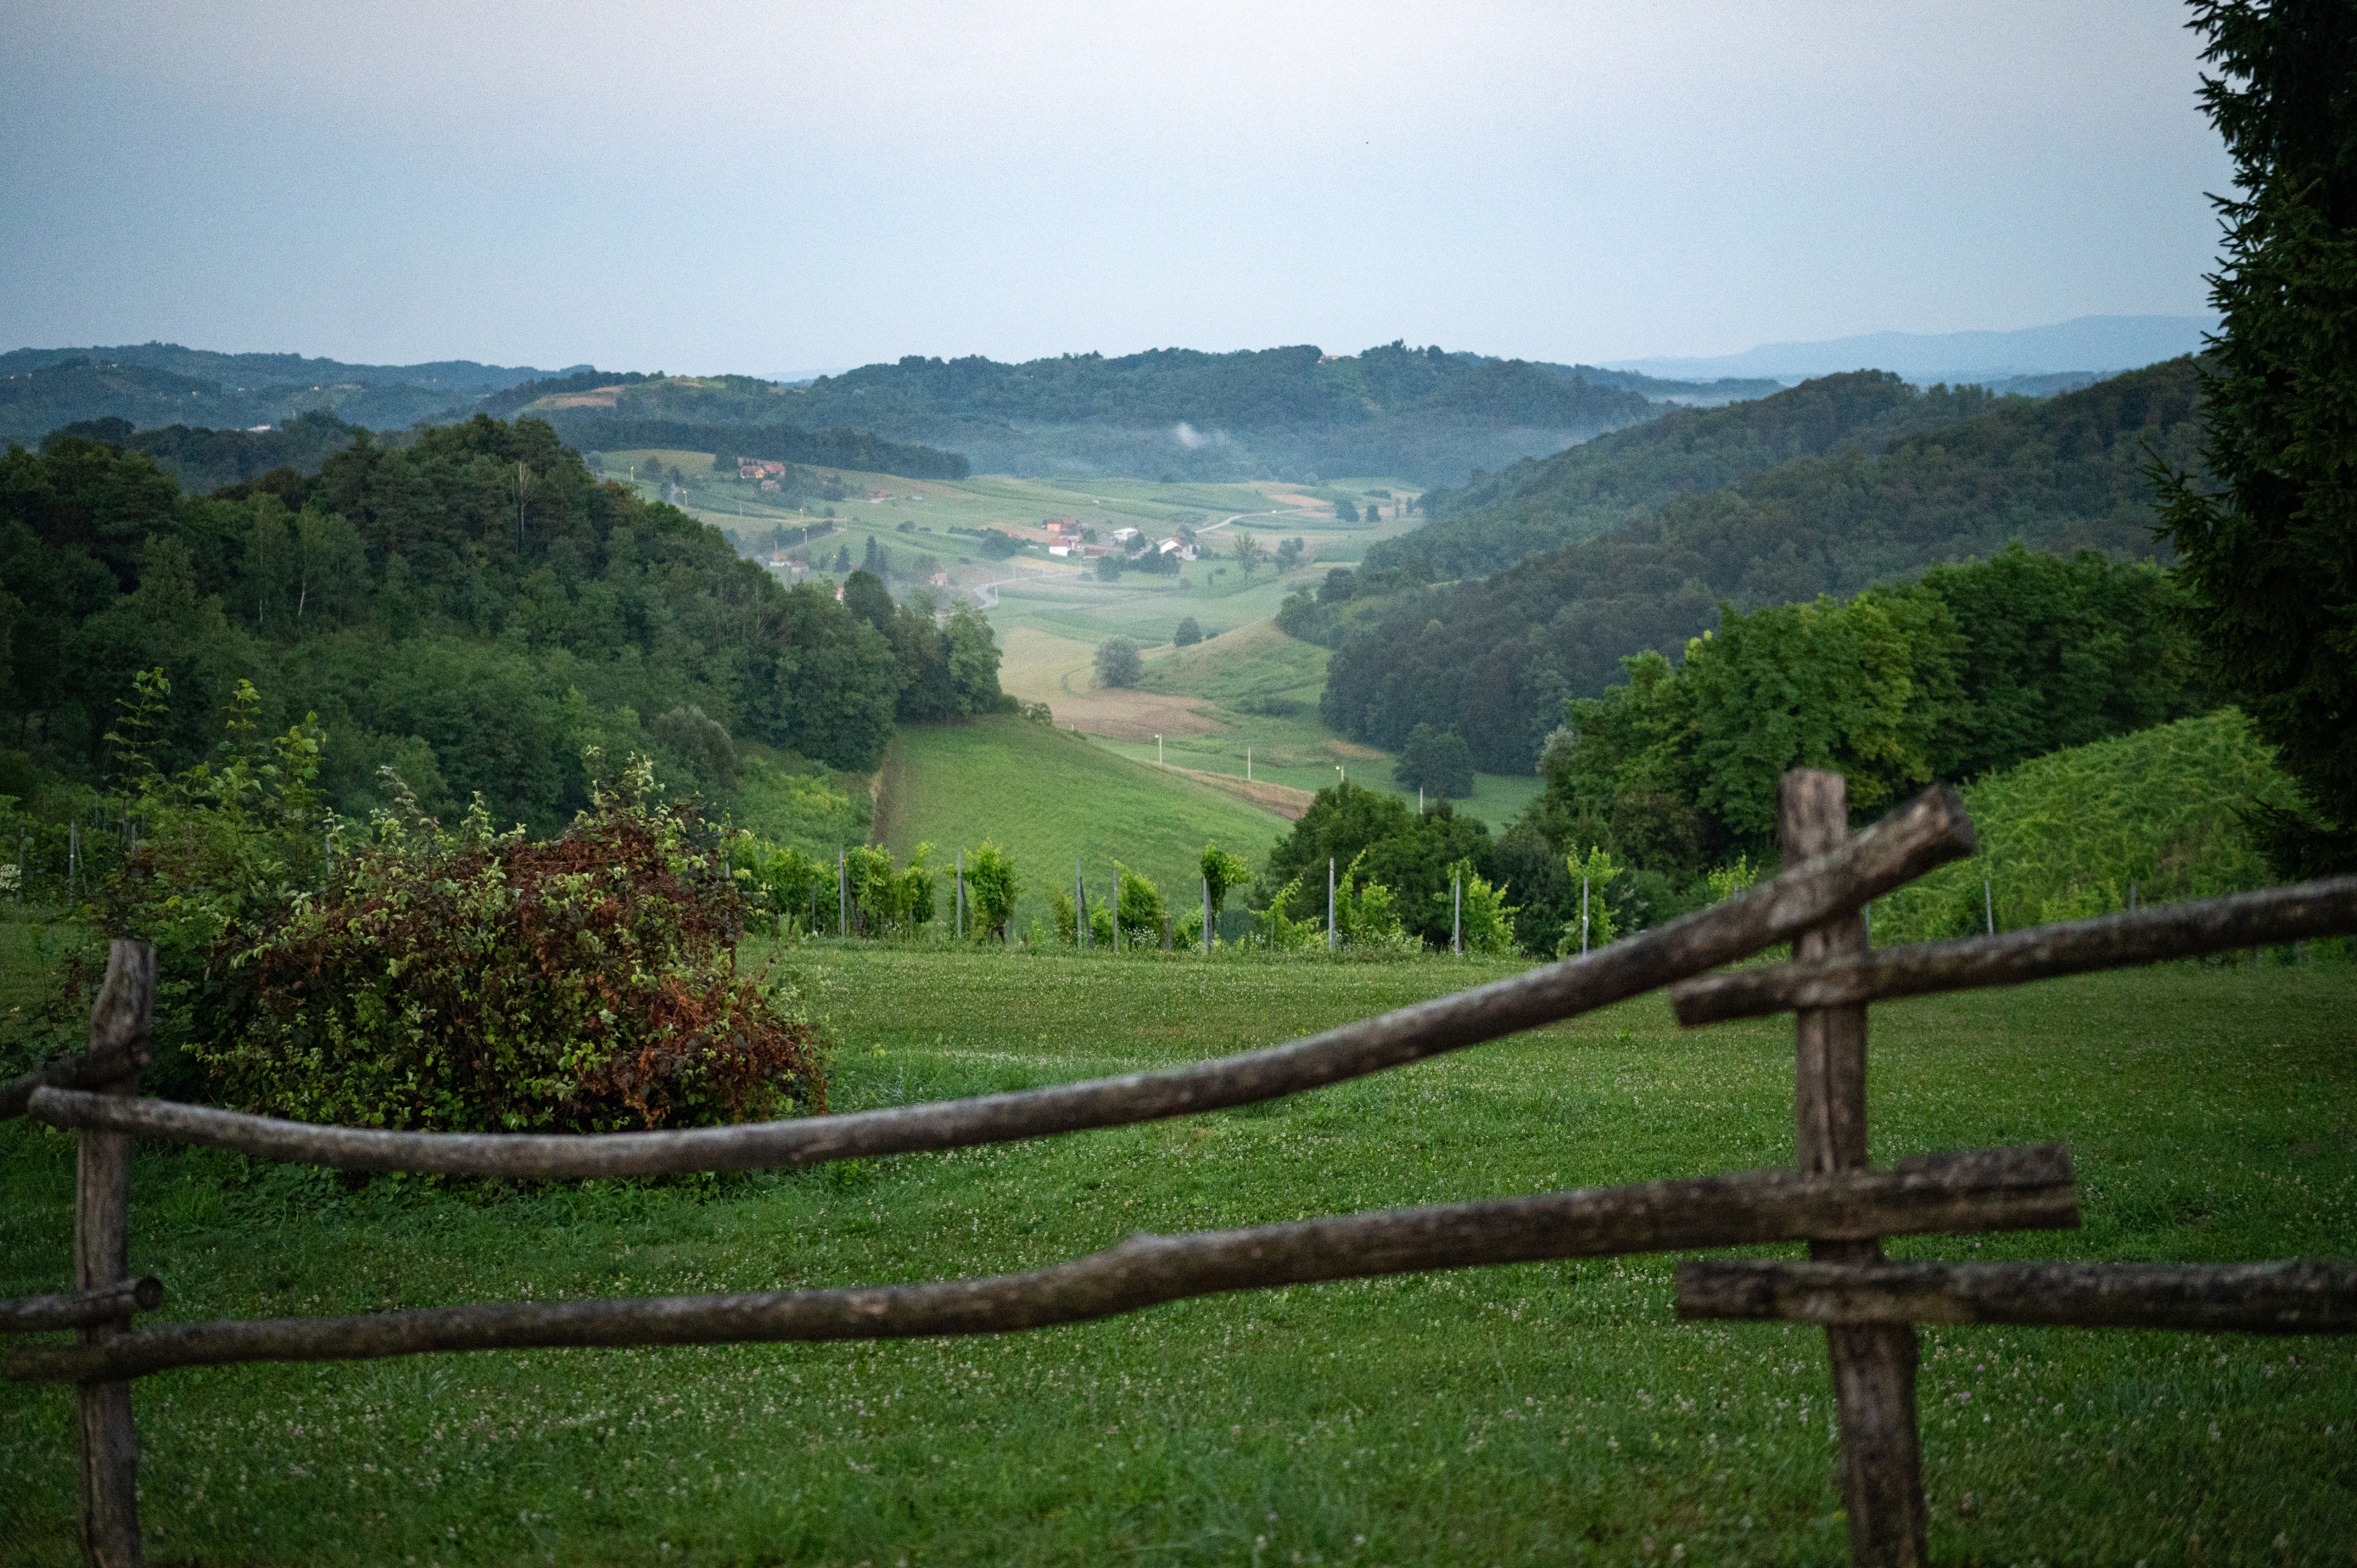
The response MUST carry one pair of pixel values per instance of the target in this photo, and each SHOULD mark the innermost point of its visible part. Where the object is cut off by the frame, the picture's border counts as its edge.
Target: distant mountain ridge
(1427, 415)
(2081, 343)
(157, 385)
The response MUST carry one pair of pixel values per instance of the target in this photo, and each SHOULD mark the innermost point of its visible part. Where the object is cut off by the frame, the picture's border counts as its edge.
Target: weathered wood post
(110, 1447)
(1874, 1364)
(1207, 917)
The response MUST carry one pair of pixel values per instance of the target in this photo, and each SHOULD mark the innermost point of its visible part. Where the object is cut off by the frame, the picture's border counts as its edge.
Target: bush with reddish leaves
(472, 981)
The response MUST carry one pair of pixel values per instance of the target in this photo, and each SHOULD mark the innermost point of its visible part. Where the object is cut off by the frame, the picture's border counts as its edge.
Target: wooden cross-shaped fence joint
(1873, 1364)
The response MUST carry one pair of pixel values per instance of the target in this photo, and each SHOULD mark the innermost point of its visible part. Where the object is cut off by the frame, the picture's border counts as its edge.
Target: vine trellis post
(1832, 1198)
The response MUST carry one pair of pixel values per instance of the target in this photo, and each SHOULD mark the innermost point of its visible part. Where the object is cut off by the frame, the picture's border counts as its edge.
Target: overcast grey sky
(728, 186)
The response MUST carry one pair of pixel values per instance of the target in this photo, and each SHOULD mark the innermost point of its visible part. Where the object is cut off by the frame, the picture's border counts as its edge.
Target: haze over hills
(2084, 343)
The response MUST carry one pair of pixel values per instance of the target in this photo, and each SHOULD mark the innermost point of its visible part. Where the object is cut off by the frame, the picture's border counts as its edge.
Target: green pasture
(1535, 1414)
(1047, 796)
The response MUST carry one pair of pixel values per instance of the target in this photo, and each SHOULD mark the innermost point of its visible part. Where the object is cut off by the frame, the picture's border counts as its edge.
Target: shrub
(1118, 663)
(1489, 920)
(470, 979)
(1141, 907)
(1435, 760)
(1189, 633)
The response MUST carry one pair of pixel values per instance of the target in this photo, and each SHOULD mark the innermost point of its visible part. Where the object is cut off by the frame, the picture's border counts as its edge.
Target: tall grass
(2062, 837)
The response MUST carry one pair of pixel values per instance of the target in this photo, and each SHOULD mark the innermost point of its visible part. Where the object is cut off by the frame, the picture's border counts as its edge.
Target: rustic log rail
(80, 1309)
(2219, 1299)
(2150, 935)
(1993, 1189)
(1832, 1200)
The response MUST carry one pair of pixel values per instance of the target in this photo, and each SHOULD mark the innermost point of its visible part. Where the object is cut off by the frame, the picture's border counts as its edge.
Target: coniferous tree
(2268, 539)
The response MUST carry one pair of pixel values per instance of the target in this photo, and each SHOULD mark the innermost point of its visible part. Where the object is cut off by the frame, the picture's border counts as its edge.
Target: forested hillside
(155, 385)
(1607, 483)
(205, 460)
(1419, 414)
(473, 609)
(1496, 659)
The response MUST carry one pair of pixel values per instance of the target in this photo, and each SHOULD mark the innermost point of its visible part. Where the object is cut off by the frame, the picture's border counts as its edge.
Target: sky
(767, 188)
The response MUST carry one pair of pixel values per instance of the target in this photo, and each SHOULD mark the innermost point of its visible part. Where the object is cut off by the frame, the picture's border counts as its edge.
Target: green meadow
(1048, 796)
(1534, 1415)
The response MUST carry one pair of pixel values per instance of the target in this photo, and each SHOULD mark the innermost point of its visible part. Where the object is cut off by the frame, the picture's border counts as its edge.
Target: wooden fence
(1832, 1199)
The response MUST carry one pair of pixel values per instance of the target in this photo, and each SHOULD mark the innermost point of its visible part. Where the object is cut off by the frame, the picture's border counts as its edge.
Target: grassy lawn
(1543, 1413)
(1045, 796)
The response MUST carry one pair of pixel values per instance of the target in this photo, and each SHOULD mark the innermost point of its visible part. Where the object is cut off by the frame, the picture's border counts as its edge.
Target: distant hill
(156, 385)
(1424, 415)
(1496, 659)
(1604, 484)
(205, 460)
(2089, 343)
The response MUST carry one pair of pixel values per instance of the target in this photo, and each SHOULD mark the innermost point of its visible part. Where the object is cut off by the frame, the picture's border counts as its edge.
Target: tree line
(472, 608)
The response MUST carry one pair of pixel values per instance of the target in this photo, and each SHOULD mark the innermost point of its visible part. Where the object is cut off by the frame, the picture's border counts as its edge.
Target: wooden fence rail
(1832, 1199)
(1994, 1189)
(2240, 1298)
(2150, 935)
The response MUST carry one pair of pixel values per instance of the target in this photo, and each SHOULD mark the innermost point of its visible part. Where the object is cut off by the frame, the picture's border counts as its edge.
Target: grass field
(1046, 796)
(1535, 1414)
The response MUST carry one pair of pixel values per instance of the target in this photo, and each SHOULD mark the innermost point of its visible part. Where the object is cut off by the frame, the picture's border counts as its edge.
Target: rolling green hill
(1601, 484)
(1496, 659)
(1045, 795)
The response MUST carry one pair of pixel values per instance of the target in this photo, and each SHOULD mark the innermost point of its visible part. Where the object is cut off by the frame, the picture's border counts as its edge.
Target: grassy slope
(2064, 836)
(1046, 796)
(1547, 1413)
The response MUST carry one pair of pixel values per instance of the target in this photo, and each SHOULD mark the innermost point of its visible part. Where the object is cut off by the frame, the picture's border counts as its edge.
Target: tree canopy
(472, 608)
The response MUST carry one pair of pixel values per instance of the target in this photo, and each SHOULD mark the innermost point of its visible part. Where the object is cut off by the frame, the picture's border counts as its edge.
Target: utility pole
(1988, 906)
(842, 896)
(1207, 917)
(1080, 932)
(1116, 909)
(959, 899)
(1456, 916)
(1157, 751)
(1583, 915)
(1332, 938)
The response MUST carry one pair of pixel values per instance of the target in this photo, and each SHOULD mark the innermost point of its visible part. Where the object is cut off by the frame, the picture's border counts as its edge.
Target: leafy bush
(991, 889)
(1117, 662)
(1489, 920)
(782, 886)
(888, 900)
(1141, 907)
(1595, 870)
(1435, 761)
(472, 980)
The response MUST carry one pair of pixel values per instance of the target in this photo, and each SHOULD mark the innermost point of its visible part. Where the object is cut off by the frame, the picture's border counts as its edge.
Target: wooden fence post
(1873, 1364)
(110, 1447)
